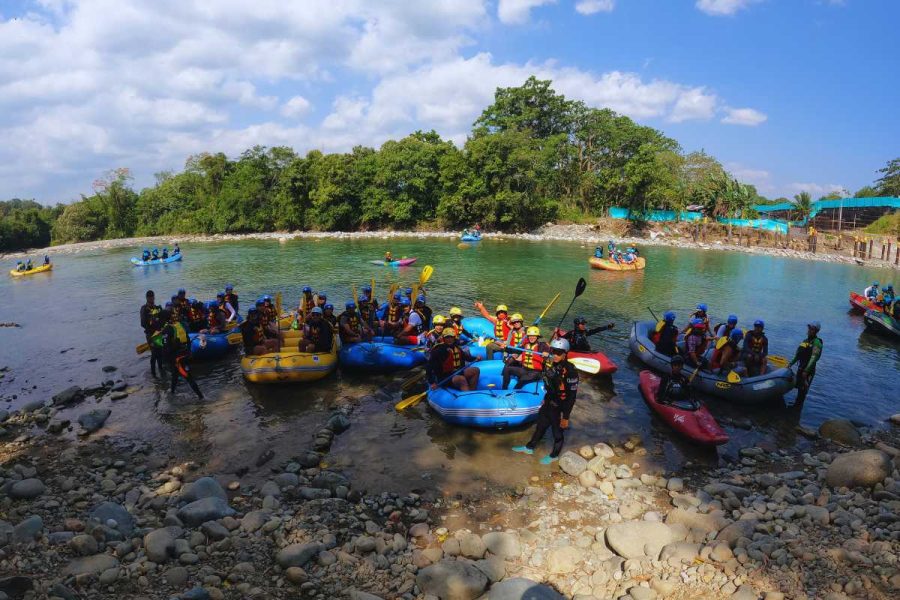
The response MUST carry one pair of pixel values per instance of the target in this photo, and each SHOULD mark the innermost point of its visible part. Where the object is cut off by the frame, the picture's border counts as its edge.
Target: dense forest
(532, 156)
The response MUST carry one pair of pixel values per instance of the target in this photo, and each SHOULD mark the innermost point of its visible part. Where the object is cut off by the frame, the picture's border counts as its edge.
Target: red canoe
(860, 302)
(697, 425)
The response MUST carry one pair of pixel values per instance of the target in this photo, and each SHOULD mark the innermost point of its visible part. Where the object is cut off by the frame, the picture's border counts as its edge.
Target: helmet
(367, 288)
(421, 298)
(560, 344)
(702, 307)
(267, 298)
(516, 317)
(322, 294)
(165, 248)
(759, 323)
(316, 310)
(307, 289)
(397, 295)
(438, 320)
(326, 307)
(874, 283)
(220, 295)
(252, 311)
(350, 305)
(182, 291)
(404, 301)
(732, 319)
(260, 302)
(408, 291)
(677, 360)
(501, 308)
(737, 335)
(455, 311)
(669, 315)
(228, 287)
(448, 332)
(533, 330)
(192, 300)
(815, 325)
(579, 320)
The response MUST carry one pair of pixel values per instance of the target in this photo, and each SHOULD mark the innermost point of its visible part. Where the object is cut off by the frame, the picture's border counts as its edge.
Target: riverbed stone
(27, 489)
(69, 395)
(677, 553)
(597, 465)
(95, 564)
(863, 468)
(206, 509)
(502, 544)
(297, 555)
(564, 560)
(83, 544)
(159, 544)
(603, 450)
(735, 531)
(110, 511)
(93, 420)
(205, 487)
(629, 540)
(708, 523)
(519, 588)
(572, 464)
(587, 479)
(471, 546)
(841, 431)
(452, 580)
(27, 529)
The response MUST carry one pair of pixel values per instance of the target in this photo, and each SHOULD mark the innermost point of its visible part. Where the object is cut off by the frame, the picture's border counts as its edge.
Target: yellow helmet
(501, 308)
(455, 311)
(448, 332)
(438, 320)
(516, 317)
(533, 331)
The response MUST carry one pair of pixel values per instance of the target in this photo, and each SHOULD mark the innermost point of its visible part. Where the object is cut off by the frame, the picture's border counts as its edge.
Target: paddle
(582, 363)
(427, 271)
(413, 400)
(278, 304)
(779, 361)
(372, 293)
(233, 339)
(579, 290)
(653, 314)
(733, 377)
(549, 306)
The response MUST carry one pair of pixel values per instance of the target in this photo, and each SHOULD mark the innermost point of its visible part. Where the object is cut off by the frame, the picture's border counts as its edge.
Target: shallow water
(87, 308)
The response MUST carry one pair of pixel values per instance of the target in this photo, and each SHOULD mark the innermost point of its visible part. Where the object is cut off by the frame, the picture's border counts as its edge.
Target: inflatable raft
(381, 356)
(749, 390)
(489, 406)
(693, 421)
(878, 322)
(861, 303)
(403, 262)
(34, 271)
(289, 367)
(478, 326)
(610, 265)
(209, 347)
(159, 261)
(470, 238)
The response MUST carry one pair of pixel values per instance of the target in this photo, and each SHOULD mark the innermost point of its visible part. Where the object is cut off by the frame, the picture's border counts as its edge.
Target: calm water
(88, 309)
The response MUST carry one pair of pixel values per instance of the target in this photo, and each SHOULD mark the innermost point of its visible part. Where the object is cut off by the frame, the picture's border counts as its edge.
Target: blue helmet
(182, 291)
(696, 321)
(192, 300)
(155, 249)
(397, 295)
(875, 283)
(252, 311)
(322, 294)
(364, 298)
(328, 307)
(421, 298)
(307, 289)
(732, 319)
(220, 295)
(228, 287)
(367, 288)
(759, 323)
(404, 302)
(408, 291)
(702, 307)
(669, 316)
(166, 249)
(260, 302)
(350, 305)
(174, 298)
(267, 298)
(737, 335)
(316, 310)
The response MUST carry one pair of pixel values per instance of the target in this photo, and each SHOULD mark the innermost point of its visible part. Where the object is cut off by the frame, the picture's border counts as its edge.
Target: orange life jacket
(501, 329)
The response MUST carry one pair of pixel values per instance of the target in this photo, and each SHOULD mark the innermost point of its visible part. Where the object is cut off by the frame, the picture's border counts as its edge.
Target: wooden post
(897, 258)
(871, 243)
(882, 252)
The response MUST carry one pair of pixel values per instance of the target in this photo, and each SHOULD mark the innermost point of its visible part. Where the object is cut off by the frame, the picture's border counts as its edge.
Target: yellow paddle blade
(778, 361)
(355, 299)
(463, 245)
(411, 401)
(427, 271)
(588, 365)
(141, 348)
(393, 290)
(278, 303)
(412, 380)
(733, 377)
(373, 289)
(235, 338)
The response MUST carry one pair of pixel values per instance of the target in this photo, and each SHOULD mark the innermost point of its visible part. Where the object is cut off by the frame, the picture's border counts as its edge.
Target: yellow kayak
(609, 265)
(289, 367)
(40, 269)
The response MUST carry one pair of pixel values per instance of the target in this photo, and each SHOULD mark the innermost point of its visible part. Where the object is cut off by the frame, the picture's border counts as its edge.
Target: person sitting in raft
(727, 352)
(598, 252)
(165, 253)
(447, 358)
(367, 292)
(328, 315)
(871, 292)
(675, 387)
(561, 383)
(505, 326)
(145, 255)
(155, 255)
(610, 248)
(176, 250)
(353, 330)
(270, 313)
(456, 316)
(321, 299)
(20, 266)
(578, 337)
(195, 317)
(724, 329)
(46, 259)
(232, 298)
(178, 352)
(500, 319)
(756, 350)
(388, 257)
(665, 337)
(431, 338)
(226, 308)
(695, 343)
(366, 312)
(424, 309)
(393, 315)
(29, 265)
(307, 302)
(887, 295)
(527, 366)
(808, 353)
(633, 250)
(628, 258)
(318, 336)
(215, 318)
(253, 333)
(700, 313)
(413, 325)
(174, 306)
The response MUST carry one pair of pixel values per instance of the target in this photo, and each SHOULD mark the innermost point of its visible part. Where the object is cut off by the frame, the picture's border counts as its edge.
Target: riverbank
(106, 517)
(589, 235)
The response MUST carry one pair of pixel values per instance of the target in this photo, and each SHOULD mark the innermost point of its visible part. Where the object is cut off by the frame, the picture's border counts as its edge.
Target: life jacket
(181, 339)
(232, 299)
(272, 313)
(365, 309)
(533, 361)
(804, 351)
(264, 317)
(501, 329)
(195, 315)
(393, 312)
(312, 333)
(423, 321)
(516, 336)
(259, 334)
(306, 303)
(433, 337)
(755, 343)
(454, 359)
(215, 318)
(716, 362)
(352, 320)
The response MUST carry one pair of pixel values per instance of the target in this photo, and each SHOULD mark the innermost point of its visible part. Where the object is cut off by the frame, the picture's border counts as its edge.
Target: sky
(789, 95)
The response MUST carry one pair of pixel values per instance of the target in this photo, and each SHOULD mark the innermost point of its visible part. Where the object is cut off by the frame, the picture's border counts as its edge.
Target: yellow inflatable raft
(40, 269)
(289, 367)
(609, 265)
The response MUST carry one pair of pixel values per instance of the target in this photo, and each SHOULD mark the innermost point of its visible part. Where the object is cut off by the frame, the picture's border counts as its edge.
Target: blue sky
(787, 94)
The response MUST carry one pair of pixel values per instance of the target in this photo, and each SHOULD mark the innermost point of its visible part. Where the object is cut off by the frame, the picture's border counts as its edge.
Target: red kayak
(697, 424)
(860, 302)
(607, 367)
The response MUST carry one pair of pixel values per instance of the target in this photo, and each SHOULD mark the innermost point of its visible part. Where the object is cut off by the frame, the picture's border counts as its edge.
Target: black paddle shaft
(579, 290)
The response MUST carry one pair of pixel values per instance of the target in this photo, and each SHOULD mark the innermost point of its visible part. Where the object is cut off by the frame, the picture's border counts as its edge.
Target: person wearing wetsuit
(561, 383)
(165, 253)
(46, 259)
(447, 364)
(528, 366)
(318, 336)
(808, 353)
(756, 349)
(598, 252)
(675, 387)
(178, 353)
(155, 255)
(145, 255)
(578, 337)
(665, 336)
(152, 323)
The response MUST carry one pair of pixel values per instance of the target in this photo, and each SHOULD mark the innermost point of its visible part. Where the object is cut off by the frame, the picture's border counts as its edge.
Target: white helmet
(560, 344)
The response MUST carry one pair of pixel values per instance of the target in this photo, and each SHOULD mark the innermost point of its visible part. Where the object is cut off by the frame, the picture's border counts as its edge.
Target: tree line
(532, 156)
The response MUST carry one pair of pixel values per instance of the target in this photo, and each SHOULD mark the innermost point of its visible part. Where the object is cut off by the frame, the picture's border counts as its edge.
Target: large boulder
(639, 538)
(452, 580)
(841, 431)
(27, 489)
(205, 487)
(706, 522)
(863, 468)
(95, 564)
(572, 463)
(110, 511)
(504, 545)
(520, 588)
(206, 509)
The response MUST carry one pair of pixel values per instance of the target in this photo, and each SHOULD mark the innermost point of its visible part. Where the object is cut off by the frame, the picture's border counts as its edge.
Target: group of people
(154, 254)
(884, 297)
(616, 254)
(28, 265)
(733, 350)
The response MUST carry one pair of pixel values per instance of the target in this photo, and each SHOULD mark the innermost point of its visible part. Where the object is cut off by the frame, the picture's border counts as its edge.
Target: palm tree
(803, 201)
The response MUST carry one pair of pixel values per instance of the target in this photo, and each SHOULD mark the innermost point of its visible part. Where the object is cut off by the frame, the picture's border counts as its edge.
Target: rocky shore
(112, 518)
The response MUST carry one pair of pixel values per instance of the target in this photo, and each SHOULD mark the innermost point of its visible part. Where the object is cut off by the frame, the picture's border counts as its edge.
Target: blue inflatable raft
(381, 356)
(489, 406)
(209, 347)
(159, 261)
(470, 238)
(478, 326)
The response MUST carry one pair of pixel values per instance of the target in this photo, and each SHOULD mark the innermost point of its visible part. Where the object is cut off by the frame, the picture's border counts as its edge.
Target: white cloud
(297, 106)
(517, 12)
(744, 116)
(723, 7)
(694, 103)
(760, 178)
(590, 7)
(816, 190)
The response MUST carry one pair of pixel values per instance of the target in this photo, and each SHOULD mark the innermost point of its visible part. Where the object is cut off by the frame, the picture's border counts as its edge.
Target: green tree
(889, 182)
(866, 191)
(803, 204)
(534, 106)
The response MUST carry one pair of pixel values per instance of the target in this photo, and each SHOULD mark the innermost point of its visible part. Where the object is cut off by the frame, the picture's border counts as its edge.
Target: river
(84, 316)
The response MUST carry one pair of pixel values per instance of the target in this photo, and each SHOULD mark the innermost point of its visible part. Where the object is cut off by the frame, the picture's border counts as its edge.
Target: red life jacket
(215, 318)
(533, 361)
(454, 360)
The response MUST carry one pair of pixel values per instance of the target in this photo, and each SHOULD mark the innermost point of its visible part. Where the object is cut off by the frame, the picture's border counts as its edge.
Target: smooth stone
(504, 545)
(214, 530)
(863, 468)
(297, 555)
(494, 568)
(91, 564)
(254, 520)
(677, 553)
(572, 464)
(93, 420)
(27, 489)
(841, 431)
(110, 511)
(84, 544)
(519, 588)
(205, 487)
(675, 484)
(159, 545)
(603, 450)
(597, 465)
(587, 479)
(28, 529)
(206, 509)
(745, 592)
(471, 546)
(296, 575)
(452, 580)
(329, 480)
(176, 576)
(708, 522)
(68, 396)
(735, 531)
(564, 560)
(338, 423)
(629, 539)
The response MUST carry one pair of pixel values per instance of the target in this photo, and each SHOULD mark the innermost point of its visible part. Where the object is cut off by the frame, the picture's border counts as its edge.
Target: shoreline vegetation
(532, 157)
